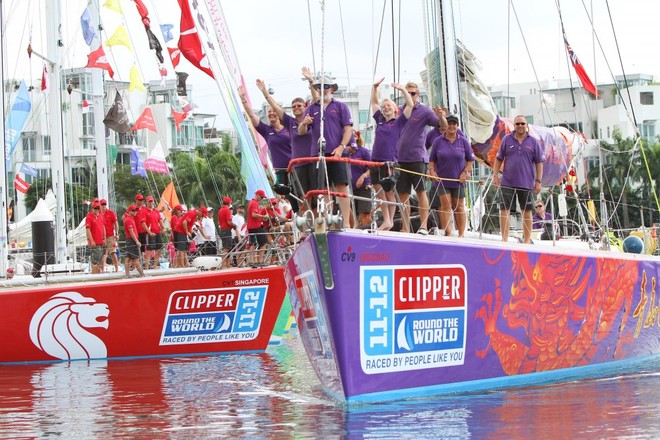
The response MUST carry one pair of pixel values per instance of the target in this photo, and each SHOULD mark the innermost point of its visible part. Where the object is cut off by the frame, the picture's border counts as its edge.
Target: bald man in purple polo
(337, 131)
(413, 157)
(523, 159)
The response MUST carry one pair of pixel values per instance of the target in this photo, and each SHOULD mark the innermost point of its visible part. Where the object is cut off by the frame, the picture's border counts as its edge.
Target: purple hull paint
(415, 316)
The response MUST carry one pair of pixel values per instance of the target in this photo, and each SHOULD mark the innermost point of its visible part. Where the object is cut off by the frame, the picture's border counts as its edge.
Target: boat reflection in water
(276, 395)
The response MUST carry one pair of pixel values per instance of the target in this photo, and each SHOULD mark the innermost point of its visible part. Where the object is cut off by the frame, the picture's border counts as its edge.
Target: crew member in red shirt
(226, 225)
(95, 230)
(111, 232)
(139, 220)
(133, 244)
(153, 225)
(179, 237)
(254, 221)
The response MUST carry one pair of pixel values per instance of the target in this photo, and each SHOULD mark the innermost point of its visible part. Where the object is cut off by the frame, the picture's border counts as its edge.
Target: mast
(4, 246)
(103, 191)
(448, 61)
(54, 49)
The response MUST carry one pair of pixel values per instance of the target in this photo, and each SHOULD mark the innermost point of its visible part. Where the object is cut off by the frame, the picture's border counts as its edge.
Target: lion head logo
(59, 327)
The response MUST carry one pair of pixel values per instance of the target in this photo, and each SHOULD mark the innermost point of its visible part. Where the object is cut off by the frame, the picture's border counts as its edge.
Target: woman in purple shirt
(450, 161)
(388, 130)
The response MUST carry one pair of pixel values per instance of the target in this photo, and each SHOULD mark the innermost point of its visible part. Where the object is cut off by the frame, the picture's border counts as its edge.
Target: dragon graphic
(565, 305)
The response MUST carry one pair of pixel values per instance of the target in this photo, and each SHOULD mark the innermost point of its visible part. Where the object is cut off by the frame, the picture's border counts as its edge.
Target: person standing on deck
(360, 180)
(139, 221)
(389, 123)
(277, 137)
(210, 245)
(111, 224)
(522, 157)
(95, 230)
(256, 232)
(337, 132)
(152, 223)
(451, 158)
(301, 145)
(133, 244)
(179, 237)
(413, 157)
(226, 225)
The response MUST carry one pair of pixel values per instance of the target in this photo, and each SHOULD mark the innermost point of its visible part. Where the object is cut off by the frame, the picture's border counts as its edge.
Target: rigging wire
(311, 35)
(343, 38)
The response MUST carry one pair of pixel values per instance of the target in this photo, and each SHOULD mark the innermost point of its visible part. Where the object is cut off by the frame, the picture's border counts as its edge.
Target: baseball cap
(260, 192)
(203, 210)
(104, 202)
(132, 208)
(177, 208)
(96, 205)
(273, 201)
(139, 197)
(150, 199)
(452, 118)
(10, 270)
(210, 208)
(227, 200)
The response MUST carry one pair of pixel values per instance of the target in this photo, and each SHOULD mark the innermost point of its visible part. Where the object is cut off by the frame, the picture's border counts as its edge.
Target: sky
(516, 41)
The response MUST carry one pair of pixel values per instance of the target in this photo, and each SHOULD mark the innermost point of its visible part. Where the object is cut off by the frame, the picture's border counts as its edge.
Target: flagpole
(4, 232)
(100, 141)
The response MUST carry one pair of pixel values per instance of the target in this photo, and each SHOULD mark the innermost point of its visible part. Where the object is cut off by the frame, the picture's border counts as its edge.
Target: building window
(88, 124)
(126, 138)
(608, 132)
(647, 130)
(88, 144)
(29, 147)
(646, 98)
(45, 141)
(44, 173)
(364, 117)
(530, 119)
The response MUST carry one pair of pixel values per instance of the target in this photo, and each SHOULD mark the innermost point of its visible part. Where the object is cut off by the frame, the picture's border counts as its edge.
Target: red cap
(260, 192)
(95, 205)
(150, 199)
(10, 270)
(273, 201)
(203, 210)
(227, 200)
(139, 197)
(95, 200)
(104, 202)
(177, 208)
(132, 208)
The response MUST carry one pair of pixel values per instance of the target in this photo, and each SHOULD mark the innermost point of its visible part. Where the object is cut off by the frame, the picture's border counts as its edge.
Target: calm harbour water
(277, 395)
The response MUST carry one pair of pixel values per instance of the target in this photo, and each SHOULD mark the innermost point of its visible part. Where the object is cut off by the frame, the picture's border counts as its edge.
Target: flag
(98, 59)
(88, 27)
(145, 120)
(178, 118)
(168, 200)
(137, 165)
(44, 79)
(156, 162)
(27, 169)
(120, 38)
(16, 120)
(21, 185)
(185, 105)
(166, 29)
(189, 42)
(155, 45)
(113, 5)
(86, 106)
(144, 13)
(579, 69)
(175, 55)
(181, 78)
(117, 119)
(136, 80)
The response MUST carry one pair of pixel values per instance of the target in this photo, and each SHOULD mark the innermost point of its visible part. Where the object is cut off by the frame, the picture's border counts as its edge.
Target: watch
(537, 180)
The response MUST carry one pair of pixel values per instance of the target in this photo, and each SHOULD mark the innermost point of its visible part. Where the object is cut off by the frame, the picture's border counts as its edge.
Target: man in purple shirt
(413, 157)
(337, 131)
(277, 137)
(360, 180)
(523, 159)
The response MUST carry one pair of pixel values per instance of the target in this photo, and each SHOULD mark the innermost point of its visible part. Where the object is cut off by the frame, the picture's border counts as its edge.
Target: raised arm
(243, 95)
(375, 104)
(441, 114)
(407, 110)
(310, 79)
(279, 111)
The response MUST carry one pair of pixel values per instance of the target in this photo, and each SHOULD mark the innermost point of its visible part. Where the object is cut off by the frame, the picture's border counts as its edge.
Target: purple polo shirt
(410, 147)
(450, 158)
(538, 222)
(337, 116)
(362, 154)
(519, 159)
(387, 135)
(279, 144)
(301, 145)
(432, 135)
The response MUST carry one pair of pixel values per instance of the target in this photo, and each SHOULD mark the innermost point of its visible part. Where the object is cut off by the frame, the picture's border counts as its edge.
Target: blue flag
(166, 29)
(16, 121)
(88, 31)
(137, 164)
(27, 169)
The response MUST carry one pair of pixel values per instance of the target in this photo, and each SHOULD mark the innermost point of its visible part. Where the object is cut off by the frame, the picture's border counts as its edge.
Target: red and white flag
(178, 118)
(579, 69)
(21, 185)
(99, 60)
(86, 107)
(145, 120)
(44, 79)
(189, 41)
(175, 55)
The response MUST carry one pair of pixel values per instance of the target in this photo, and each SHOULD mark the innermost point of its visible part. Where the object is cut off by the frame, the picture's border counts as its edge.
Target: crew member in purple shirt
(337, 132)
(388, 129)
(413, 156)
(360, 179)
(301, 145)
(522, 158)
(451, 160)
(277, 137)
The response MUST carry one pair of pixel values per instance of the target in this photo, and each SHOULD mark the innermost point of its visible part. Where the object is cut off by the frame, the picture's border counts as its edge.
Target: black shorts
(281, 177)
(362, 205)
(416, 179)
(132, 250)
(154, 243)
(508, 195)
(338, 174)
(97, 253)
(142, 236)
(225, 238)
(456, 193)
(180, 242)
(257, 236)
(307, 177)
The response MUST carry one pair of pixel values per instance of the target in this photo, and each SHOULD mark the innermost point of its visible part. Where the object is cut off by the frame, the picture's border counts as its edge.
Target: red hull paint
(219, 311)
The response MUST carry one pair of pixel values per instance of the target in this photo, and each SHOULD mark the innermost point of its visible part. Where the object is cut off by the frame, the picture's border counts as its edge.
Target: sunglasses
(325, 86)
(521, 123)
(297, 105)
(413, 93)
(539, 206)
